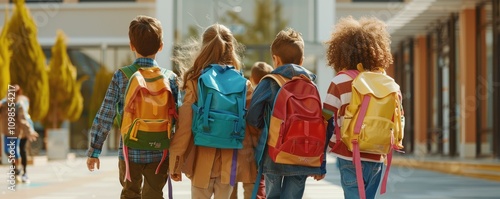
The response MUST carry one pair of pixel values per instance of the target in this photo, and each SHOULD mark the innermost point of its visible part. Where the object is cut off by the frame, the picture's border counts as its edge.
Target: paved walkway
(70, 179)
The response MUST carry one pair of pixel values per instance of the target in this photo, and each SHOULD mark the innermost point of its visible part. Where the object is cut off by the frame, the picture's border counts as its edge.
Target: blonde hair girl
(208, 168)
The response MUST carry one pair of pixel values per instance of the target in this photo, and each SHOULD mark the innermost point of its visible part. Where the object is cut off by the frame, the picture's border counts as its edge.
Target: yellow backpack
(373, 121)
(148, 111)
(373, 117)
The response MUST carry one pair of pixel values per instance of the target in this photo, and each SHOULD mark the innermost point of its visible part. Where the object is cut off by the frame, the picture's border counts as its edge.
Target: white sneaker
(25, 179)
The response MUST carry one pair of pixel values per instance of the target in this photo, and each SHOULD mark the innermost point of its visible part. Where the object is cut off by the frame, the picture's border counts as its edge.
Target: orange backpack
(148, 111)
(297, 129)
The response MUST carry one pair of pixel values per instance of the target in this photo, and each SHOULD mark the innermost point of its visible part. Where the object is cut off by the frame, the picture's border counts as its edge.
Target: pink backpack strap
(127, 165)
(163, 157)
(353, 74)
(356, 152)
(383, 187)
(356, 160)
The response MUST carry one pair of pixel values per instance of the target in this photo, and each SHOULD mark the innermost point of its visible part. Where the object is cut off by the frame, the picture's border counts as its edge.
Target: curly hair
(365, 41)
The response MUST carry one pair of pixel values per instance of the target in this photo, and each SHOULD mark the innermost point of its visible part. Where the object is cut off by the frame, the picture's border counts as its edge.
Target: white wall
(89, 24)
(326, 20)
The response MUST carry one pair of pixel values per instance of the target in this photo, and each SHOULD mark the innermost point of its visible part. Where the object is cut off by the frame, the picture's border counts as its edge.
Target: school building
(447, 63)
(445, 52)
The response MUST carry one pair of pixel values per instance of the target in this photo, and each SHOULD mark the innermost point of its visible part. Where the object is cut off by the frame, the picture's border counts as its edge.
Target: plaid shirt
(104, 119)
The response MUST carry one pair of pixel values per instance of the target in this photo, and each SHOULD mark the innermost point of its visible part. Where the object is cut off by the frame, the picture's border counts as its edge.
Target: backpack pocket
(301, 142)
(222, 130)
(376, 135)
(148, 134)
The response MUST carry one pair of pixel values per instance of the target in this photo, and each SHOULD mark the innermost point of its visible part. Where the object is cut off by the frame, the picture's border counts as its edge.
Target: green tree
(27, 65)
(66, 101)
(259, 32)
(267, 22)
(4, 59)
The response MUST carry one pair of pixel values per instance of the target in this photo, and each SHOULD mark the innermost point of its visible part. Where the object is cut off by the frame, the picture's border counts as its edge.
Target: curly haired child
(364, 41)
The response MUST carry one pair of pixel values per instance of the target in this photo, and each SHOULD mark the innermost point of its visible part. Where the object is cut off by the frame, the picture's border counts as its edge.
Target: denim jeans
(372, 173)
(286, 187)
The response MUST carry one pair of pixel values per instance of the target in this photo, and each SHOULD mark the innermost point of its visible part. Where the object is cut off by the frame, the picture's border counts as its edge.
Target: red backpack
(297, 129)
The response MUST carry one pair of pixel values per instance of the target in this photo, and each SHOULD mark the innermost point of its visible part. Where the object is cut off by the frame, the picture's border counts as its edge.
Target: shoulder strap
(166, 72)
(278, 78)
(351, 73)
(129, 70)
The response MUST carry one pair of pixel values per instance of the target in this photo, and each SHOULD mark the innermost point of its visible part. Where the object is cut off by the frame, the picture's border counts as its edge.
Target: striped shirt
(338, 97)
(115, 96)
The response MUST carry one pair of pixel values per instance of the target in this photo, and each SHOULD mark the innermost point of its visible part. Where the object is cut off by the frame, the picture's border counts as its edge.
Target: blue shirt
(115, 95)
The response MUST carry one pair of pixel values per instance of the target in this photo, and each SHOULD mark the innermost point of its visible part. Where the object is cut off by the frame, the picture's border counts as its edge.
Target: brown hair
(259, 69)
(145, 35)
(289, 46)
(365, 41)
(218, 46)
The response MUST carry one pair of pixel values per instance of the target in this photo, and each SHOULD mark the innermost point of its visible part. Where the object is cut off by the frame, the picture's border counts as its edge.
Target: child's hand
(318, 177)
(33, 136)
(92, 162)
(176, 177)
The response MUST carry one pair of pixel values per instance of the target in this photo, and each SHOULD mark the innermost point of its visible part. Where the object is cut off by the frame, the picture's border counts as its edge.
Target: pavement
(70, 179)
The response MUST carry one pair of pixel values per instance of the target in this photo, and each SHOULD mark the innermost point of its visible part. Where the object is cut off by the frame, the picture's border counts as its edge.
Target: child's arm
(260, 97)
(332, 101)
(174, 87)
(103, 120)
(183, 135)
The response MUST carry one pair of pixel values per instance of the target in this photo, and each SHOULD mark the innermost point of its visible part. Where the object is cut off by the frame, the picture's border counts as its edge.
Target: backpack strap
(278, 78)
(394, 146)
(127, 165)
(129, 70)
(234, 163)
(356, 154)
(353, 74)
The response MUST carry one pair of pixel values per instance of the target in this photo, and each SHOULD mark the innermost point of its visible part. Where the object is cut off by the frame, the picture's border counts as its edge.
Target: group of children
(353, 41)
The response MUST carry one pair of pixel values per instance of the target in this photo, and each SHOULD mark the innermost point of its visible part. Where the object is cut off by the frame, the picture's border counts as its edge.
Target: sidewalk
(70, 179)
(487, 168)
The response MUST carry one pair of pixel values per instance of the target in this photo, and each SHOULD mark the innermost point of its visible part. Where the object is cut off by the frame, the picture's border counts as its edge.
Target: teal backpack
(219, 112)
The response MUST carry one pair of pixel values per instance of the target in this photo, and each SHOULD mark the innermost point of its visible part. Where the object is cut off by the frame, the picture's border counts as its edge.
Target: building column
(467, 82)
(325, 16)
(421, 81)
(165, 13)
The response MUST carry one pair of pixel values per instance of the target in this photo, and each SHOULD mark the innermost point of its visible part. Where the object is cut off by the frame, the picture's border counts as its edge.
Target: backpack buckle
(236, 127)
